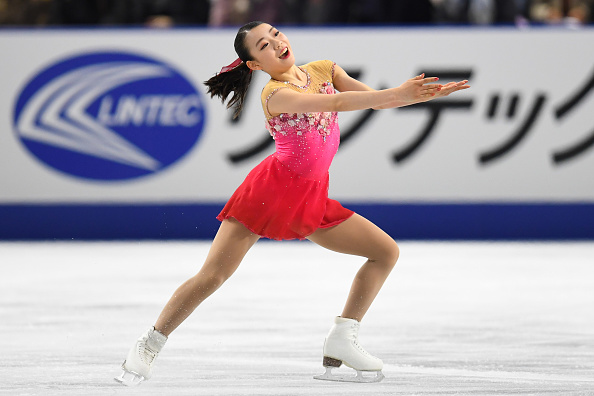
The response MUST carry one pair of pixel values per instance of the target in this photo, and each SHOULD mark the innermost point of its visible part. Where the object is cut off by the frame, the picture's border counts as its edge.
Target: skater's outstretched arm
(415, 90)
(344, 83)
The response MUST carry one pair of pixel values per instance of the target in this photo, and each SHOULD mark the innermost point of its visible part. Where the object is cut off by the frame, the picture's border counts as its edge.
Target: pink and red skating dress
(286, 195)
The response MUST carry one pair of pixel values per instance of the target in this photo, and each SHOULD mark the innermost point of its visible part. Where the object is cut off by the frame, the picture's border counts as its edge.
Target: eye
(264, 46)
(277, 33)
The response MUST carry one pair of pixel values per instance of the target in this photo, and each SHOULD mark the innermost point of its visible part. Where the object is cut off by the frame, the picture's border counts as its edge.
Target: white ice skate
(342, 347)
(137, 366)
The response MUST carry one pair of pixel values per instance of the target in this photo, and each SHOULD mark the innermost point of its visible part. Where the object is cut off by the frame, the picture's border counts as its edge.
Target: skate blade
(129, 378)
(329, 376)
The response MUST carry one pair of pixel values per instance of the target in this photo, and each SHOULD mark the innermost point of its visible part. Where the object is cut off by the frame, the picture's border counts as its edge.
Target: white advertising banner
(122, 116)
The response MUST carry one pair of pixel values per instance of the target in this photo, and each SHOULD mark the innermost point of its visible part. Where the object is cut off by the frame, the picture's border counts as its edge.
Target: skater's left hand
(445, 90)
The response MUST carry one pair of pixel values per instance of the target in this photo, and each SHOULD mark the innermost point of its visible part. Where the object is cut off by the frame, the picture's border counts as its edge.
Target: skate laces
(355, 338)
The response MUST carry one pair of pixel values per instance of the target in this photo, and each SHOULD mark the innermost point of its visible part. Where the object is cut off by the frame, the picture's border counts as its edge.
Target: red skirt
(277, 203)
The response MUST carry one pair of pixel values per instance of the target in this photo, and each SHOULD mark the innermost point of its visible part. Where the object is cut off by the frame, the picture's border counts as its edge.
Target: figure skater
(286, 195)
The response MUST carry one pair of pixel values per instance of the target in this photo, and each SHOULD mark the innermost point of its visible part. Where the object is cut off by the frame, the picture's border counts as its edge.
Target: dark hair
(238, 79)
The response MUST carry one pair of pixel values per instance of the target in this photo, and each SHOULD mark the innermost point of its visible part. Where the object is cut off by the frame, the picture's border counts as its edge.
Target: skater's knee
(212, 280)
(215, 272)
(392, 254)
(220, 277)
(395, 253)
(387, 255)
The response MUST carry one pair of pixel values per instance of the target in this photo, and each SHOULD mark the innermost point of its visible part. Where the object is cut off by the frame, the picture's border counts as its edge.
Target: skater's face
(270, 49)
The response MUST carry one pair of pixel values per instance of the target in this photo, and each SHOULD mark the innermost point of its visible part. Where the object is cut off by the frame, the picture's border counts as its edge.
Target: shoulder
(322, 67)
(271, 87)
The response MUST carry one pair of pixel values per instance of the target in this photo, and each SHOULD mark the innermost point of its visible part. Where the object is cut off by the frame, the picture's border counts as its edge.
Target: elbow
(343, 102)
(338, 104)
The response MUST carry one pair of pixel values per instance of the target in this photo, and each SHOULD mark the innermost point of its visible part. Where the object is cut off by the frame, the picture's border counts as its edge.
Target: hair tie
(232, 66)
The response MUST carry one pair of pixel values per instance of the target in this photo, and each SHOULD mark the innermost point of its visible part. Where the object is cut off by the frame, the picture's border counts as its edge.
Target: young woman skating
(286, 195)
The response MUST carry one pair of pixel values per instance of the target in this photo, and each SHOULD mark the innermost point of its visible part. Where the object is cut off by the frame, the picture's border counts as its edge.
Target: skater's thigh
(357, 236)
(232, 242)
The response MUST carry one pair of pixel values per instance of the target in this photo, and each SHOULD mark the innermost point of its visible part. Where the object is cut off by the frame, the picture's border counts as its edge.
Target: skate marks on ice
(129, 378)
(453, 318)
(490, 375)
(358, 376)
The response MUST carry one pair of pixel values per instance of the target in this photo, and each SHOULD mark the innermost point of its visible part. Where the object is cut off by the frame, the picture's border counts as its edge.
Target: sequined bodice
(306, 143)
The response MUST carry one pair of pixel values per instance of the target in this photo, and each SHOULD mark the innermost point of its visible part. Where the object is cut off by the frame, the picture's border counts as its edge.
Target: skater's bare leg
(358, 236)
(229, 246)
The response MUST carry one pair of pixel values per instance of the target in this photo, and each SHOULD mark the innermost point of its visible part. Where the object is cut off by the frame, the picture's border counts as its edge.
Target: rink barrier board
(483, 221)
(516, 137)
(509, 159)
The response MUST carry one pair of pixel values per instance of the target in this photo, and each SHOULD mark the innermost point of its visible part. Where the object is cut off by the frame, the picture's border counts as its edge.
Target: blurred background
(106, 131)
(165, 13)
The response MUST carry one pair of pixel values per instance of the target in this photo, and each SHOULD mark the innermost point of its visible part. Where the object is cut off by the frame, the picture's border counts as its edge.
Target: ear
(253, 65)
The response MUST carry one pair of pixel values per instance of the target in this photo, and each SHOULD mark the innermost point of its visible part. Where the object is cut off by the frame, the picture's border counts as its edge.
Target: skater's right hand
(418, 89)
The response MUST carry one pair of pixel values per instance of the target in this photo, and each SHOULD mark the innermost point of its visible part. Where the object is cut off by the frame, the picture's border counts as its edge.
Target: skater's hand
(445, 90)
(418, 89)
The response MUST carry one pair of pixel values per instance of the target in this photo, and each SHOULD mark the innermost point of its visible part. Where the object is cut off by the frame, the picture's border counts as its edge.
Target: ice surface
(453, 319)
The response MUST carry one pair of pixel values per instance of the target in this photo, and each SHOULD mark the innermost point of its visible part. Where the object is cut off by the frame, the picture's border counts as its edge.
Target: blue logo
(109, 116)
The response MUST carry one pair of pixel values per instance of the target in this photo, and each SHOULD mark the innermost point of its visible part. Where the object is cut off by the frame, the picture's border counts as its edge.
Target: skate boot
(342, 347)
(137, 366)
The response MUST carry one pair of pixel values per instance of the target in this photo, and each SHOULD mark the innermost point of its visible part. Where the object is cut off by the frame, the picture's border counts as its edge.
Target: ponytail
(237, 81)
(237, 76)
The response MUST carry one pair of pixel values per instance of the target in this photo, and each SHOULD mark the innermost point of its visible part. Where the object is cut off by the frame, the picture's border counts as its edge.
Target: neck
(293, 75)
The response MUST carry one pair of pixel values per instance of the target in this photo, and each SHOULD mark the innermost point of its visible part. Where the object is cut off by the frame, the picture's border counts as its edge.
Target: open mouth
(285, 53)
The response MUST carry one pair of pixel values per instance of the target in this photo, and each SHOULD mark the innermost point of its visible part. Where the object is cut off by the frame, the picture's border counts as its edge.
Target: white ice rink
(453, 319)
